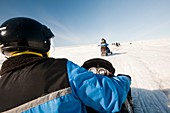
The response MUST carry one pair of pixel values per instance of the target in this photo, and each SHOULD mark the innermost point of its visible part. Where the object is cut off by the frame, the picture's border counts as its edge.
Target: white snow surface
(147, 62)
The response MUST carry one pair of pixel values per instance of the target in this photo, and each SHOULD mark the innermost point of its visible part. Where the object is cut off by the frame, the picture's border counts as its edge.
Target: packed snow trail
(148, 89)
(147, 63)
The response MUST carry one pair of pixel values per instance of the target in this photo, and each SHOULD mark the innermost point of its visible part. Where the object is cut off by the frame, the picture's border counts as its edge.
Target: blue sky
(76, 22)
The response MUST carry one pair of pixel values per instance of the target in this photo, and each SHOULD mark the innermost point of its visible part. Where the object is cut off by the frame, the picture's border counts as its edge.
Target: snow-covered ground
(147, 62)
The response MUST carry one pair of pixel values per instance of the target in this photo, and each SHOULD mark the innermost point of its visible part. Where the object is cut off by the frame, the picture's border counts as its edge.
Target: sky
(81, 22)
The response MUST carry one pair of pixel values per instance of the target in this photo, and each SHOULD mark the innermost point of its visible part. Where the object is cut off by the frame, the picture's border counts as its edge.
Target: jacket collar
(17, 62)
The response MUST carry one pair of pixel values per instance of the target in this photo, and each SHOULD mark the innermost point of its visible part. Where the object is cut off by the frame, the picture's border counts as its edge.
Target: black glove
(110, 75)
(124, 75)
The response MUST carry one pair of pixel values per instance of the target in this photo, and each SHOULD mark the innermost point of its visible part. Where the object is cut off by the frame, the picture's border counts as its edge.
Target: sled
(105, 51)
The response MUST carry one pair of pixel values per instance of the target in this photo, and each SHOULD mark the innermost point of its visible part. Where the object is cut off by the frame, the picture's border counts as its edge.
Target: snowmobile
(104, 67)
(105, 51)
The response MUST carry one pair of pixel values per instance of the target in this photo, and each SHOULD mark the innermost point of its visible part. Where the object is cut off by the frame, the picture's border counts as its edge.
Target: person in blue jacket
(33, 82)
(105, 44)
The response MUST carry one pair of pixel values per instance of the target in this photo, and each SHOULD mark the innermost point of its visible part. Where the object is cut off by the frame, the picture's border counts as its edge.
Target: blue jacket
(99, 92)
(104, 44)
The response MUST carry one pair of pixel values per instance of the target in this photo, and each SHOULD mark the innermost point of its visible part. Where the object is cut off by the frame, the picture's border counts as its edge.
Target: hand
(110, 75)
(124, 75)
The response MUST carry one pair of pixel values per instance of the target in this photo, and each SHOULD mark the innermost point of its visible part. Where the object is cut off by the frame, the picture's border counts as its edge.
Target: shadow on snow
(151, 101)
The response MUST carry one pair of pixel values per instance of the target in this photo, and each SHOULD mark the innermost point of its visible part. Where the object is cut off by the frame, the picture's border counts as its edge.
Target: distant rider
(105, 44)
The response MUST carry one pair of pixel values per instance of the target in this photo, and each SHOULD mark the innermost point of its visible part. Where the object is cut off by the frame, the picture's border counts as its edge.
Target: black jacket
(19, 83)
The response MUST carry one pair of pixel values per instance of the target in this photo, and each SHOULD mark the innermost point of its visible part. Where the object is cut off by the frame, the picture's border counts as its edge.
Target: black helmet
(103, 40)
(21, 33)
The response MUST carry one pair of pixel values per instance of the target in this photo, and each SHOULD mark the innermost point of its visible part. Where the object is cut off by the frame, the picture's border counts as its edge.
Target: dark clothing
(21, 73)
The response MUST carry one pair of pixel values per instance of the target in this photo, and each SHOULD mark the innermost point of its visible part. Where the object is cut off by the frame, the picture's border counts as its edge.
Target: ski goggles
(100, 70)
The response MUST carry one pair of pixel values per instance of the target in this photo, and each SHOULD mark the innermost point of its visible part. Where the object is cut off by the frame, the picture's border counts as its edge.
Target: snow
(147, 62)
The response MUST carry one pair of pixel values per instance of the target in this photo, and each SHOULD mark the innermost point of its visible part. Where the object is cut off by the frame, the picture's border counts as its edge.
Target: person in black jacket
(32, 82)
